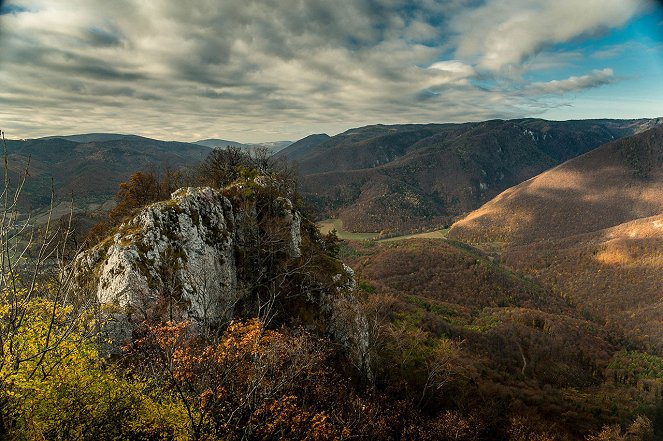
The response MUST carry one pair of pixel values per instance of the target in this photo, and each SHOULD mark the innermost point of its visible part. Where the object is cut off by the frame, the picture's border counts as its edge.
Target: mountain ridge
(409, 177)
(591, 229)
(90, 171)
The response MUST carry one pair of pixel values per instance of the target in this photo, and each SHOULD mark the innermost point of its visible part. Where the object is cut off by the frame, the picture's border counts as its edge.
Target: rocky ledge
(198, 256)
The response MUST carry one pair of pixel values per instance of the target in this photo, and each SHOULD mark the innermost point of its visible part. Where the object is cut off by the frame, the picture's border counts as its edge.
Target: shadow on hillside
(593, 230)
(613, 274)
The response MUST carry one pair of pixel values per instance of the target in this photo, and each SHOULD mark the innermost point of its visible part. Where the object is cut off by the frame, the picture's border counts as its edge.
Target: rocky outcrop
(182, 251)
(211, 258)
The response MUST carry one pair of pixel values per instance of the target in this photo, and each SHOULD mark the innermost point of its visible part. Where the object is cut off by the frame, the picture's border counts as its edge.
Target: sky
(267, 70)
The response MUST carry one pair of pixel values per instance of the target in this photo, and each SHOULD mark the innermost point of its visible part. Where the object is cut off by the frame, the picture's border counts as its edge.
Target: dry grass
(328, 225)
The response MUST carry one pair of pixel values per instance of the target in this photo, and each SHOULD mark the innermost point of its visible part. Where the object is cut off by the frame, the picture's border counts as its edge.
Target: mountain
(271, 146)
(405, 177)
(616, 183)
(299, 148)
(592, 230)
(91, 170)
(218, 143)
(91, 137)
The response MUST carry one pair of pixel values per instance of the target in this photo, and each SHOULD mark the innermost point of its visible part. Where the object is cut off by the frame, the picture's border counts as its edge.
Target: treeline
(218, 170)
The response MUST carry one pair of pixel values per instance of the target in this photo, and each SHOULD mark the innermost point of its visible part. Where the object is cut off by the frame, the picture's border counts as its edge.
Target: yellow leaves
(39, 335)
(247, 335)
(57, 387)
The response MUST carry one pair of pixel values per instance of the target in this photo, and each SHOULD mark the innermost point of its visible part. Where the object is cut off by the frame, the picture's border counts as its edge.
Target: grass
(437, 234)
(337, 224)
(63, 208)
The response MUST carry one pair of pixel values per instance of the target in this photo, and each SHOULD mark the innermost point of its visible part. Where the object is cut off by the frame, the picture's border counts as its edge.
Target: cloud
(501, 35)
(614, 50)
(259, 69)
(11, 9)
(99, 36)
(573, 84)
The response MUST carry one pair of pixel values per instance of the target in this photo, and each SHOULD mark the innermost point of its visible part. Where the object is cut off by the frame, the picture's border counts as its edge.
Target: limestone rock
(184, 247)
(196, 257)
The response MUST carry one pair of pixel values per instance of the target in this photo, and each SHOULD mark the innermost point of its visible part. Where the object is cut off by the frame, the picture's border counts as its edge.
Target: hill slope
(520, 342)
(614, 274)
(404, 177)
(300, 148)
(91, 171)
(592, 230)
(616, 183)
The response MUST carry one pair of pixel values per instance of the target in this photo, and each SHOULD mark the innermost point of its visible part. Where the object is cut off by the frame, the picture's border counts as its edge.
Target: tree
(223, 166)
(245, 384)
(33, 271)
(68, 392)
(141, 189)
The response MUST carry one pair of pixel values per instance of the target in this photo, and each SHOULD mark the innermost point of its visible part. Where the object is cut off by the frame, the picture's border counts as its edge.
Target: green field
(436, 234)
(336, 224)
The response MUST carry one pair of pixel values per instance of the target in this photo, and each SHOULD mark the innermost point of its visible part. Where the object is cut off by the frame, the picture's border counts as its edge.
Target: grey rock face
(183, 247)
(292, 223)
(191, 257)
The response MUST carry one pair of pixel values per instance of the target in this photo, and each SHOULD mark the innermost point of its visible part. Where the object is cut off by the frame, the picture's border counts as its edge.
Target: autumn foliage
(454, 346)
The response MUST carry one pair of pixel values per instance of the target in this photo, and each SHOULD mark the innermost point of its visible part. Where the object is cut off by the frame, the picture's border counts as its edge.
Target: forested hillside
(90, 167)
(407, 177)
(591, 229)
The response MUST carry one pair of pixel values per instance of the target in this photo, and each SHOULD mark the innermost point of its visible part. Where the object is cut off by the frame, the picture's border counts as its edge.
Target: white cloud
(450, 72)
(501, 35)
(594, 79)
(258, 69)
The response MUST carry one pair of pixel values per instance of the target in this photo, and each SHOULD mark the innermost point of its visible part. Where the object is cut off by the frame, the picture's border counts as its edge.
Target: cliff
(213, 256)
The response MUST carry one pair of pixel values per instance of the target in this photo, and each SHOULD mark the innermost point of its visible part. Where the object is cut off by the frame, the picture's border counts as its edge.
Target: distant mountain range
(592, 229)
(90, 137)
(406, 177)
(89, 167)
(392, 178)
(273, 147)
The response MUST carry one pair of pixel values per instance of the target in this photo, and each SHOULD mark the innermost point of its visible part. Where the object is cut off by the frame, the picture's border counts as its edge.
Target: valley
(539, 311)
(328, 225)
(353, 220)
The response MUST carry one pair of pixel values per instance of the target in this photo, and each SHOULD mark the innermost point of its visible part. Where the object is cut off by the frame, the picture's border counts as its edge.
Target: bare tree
(33, 266)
